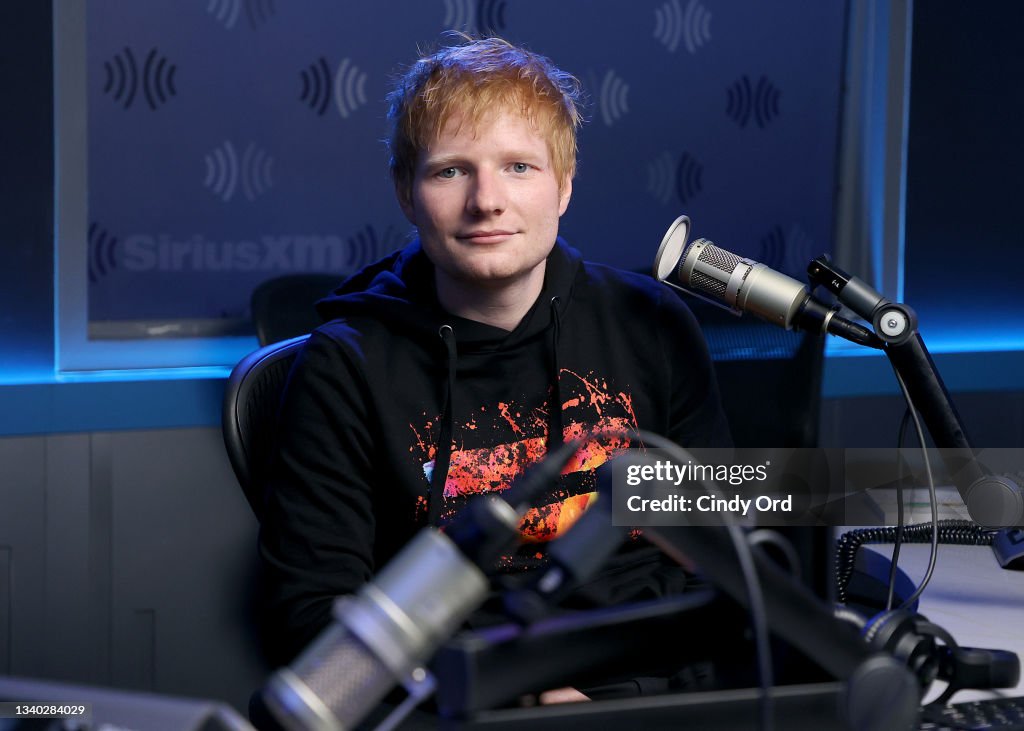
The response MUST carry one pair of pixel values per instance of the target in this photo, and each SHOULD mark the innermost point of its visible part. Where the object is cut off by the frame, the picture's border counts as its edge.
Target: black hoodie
(391, 375)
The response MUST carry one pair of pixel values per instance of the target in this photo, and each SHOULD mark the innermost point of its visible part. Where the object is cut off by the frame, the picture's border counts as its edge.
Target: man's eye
(448, 173)
(520, 167)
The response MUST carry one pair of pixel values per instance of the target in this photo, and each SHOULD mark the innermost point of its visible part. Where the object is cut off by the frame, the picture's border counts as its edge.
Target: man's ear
(564, 195)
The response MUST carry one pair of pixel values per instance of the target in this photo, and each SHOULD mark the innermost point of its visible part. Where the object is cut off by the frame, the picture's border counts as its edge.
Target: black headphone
(913, 640)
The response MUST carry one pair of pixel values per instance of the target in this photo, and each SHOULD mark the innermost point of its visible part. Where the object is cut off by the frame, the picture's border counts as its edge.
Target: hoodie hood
(399, 291)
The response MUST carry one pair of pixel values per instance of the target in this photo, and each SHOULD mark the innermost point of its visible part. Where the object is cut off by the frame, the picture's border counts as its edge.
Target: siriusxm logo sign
(288, 252)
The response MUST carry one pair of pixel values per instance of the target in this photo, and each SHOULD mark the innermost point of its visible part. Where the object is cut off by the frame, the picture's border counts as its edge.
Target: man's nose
(487, 194)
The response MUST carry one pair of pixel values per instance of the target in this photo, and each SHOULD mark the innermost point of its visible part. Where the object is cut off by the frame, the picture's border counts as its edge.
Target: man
(448, 367)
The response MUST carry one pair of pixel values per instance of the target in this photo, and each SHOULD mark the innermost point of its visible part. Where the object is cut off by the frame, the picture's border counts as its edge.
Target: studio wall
(232, 141)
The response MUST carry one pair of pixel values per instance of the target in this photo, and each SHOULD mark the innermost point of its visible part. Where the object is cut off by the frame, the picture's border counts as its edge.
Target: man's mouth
(486, 236)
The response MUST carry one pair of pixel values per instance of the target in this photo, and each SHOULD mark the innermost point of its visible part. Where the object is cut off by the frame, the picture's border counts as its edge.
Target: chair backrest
(283, 307)
(249, 417)
(770, 378)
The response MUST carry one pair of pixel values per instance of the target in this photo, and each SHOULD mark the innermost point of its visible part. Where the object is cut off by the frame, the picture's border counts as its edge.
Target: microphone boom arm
(991, 500)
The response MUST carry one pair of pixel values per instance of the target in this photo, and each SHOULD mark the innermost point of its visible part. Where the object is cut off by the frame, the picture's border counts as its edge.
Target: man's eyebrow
(443, 160)
(515, 152)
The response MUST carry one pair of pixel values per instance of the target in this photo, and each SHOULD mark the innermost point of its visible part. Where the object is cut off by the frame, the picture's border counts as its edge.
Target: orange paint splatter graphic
(598, 397)
(601, 415)
(420, 442)
(421, 507)
(608, 438)
(503, 409)
(544, 523)
(476, 471)
(490, 469)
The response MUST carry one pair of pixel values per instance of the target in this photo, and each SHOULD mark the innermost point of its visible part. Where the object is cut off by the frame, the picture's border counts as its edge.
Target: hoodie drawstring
(443, 452)
(555, 426)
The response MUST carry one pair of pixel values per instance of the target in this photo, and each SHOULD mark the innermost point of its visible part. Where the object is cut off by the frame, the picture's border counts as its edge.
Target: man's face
(486, 201)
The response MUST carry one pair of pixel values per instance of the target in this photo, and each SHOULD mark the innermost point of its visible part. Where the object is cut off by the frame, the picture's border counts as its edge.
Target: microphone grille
(718, 258)
(717, 268)
(346, 676)
(704, 283)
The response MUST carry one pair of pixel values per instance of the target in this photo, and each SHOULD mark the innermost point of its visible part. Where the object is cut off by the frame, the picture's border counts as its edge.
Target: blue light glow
(144, 374)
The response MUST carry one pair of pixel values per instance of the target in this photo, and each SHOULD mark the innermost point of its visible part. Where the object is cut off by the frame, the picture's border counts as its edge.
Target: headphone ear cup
(898, 633)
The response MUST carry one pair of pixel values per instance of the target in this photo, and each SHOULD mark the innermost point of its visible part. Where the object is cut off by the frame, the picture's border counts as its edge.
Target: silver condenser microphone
(380, 637)
(727, 280)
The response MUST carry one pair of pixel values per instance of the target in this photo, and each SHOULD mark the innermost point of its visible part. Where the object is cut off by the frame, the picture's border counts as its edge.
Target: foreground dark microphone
(572, 558)
(384, 634)
(744, 285)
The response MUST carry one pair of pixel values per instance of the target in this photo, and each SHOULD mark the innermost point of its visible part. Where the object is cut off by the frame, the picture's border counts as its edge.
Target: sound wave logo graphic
(225, 173)
(789, 253)
(102, 250)
(122, 78)
(347, 87)
(225, 11)
(693, 26)
(761, 102)
(661, 177)
(613, 98)
(484, 17)
(688, 177)
(366, 247)
(316, 86)
(257, 12)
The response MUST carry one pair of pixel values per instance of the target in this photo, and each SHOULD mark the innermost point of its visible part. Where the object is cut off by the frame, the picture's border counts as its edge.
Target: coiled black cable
(960, 532)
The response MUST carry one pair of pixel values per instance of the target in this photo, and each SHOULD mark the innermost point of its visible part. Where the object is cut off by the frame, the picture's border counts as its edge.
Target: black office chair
(769, 378)
(283, 307)
(249, 417)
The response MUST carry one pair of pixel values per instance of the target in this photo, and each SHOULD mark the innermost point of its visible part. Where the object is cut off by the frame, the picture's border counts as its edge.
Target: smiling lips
(495, 236)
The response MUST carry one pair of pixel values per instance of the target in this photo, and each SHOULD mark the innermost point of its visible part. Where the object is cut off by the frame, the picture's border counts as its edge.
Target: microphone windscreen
(670, 251)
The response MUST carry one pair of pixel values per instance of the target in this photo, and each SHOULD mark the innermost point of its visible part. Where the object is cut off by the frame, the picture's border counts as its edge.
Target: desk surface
(970, 596)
